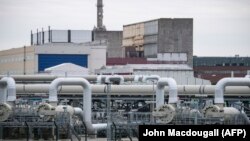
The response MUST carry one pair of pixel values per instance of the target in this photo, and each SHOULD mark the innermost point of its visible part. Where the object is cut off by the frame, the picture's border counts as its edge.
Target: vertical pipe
(69, 36)
(49, 34)
(173, 92)
(10, 92)
(31, 38)
(232, 73)
(42, 36)
(24, 60)
(37, 42)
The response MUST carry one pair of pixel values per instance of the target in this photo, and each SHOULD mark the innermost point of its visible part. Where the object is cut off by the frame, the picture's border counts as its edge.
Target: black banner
(194, 132)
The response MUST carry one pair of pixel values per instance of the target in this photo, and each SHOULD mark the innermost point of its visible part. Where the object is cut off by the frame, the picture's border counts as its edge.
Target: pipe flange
(164, 114)
(5, 111)
(212, 111)
(45, 110)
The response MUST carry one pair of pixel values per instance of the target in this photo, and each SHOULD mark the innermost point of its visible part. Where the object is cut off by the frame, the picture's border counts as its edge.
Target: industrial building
(35, 59)
(216, 68)
(141, 76)
(113, 41)
(165, 40)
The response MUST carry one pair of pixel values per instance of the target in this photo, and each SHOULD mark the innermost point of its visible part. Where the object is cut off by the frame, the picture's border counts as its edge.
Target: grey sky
(221, 27)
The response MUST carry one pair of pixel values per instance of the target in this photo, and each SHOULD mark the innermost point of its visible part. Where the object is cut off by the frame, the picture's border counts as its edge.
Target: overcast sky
(221, 27)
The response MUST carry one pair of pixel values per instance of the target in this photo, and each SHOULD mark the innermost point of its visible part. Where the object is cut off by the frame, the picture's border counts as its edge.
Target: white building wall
(182, 77)
(12, 60)
(17, 61)
(97, 58)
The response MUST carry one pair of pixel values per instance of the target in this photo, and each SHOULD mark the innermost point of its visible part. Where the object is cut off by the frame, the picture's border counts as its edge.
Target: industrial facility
(102, 85)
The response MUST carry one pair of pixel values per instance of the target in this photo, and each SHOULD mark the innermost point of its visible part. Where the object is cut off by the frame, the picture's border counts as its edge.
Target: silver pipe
(247, 76)
(171, 83)
(100, 78)
(111, 78)
(195, 90)
(151, 77)
(7, 90)
(137, 78)
(42, 77)
(99, 126)
(220, 88)
(87, 96)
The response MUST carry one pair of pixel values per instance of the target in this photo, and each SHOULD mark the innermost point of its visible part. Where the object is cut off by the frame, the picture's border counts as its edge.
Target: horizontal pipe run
(133, 89)
(42, 78)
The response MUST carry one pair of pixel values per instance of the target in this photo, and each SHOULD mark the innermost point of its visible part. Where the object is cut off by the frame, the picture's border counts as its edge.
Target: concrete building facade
(113, 41)
(35, 59)
(161, 39)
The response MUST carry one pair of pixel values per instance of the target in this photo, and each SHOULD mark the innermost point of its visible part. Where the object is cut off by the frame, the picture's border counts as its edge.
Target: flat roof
(158, 20)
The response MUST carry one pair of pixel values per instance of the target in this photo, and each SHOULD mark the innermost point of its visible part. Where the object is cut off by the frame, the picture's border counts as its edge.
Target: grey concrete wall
(176, 35)
(114, 42)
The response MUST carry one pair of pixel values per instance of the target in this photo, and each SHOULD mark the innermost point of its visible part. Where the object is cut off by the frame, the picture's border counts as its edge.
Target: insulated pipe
(3, 94)
(87, 96)
(79, 112)
(99, 78)
(247, 76)
(7, 89)
(137, 78)
(42, 78)
(194, 90)
(245, 117)
(151, 77)
(171, 83)
(112, 78)
(220, 88)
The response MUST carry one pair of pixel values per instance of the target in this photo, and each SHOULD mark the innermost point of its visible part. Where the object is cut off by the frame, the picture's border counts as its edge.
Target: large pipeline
(7, 90)
(150, 77)
(197, 90)
(45, 78)
(87, 97)
(171, 83)
(113, 78)
(223, 83)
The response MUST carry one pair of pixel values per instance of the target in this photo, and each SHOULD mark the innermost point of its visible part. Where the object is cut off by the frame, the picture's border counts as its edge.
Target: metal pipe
(42, 78)
(112, 78)
(100, 78)
(171, 83)
(79, 112)
(195, 90)
(87, 96)
(220, 88)
(151, 77)
(137, 78)
(247, 76)
(7, 89)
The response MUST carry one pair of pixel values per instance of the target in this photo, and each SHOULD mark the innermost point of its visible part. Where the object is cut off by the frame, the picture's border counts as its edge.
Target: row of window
(15, 72)
(222, 72)
(223, 64)
(16, 59)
